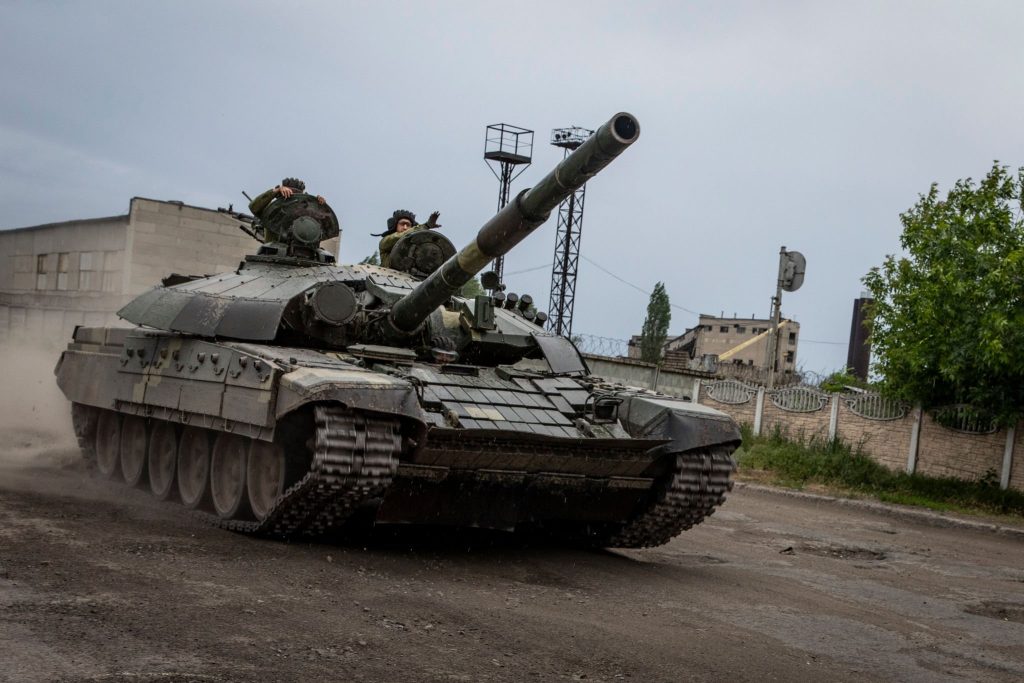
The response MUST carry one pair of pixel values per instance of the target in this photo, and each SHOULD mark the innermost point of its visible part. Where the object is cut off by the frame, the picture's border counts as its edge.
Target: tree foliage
(840, 381)
(948, 316)
(471, 289)
(655, 330)
(372, 260)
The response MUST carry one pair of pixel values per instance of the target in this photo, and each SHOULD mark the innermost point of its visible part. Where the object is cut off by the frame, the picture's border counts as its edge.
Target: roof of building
(103, 219)
(60, 224)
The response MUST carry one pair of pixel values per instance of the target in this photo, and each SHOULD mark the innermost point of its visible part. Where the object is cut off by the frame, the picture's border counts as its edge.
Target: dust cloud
(35, 418)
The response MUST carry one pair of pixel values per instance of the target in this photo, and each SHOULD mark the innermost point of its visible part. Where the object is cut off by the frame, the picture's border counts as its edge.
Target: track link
(696, 486)
(355, 458)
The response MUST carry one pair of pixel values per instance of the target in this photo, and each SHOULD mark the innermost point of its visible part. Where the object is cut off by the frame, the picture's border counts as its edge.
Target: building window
(87, 263)
(741, 329)
(792, 338)
(789, 356)
(41, 271)
(723, 328)
(111, 271)
(62, 270)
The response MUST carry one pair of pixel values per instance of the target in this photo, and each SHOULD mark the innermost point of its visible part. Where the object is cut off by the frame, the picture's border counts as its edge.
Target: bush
(837, 464)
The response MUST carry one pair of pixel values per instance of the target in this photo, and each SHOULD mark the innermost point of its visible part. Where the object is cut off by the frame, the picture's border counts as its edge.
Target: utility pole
(792, 266)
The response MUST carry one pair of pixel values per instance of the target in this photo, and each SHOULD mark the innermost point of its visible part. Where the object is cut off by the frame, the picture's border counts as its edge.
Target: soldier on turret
(286, 189)
(400, 223)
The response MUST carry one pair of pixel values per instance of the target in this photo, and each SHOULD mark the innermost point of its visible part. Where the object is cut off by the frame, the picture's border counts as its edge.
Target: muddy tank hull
(287, 442)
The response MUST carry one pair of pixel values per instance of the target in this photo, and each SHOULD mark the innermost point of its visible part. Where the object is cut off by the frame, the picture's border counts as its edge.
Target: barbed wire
(601, 346)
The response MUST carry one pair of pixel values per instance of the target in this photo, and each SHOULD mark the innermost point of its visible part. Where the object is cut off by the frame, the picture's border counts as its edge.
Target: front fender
(356, 388)
(686, 425)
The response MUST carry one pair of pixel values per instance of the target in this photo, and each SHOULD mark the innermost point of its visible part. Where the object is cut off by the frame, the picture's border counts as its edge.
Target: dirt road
(97, 583)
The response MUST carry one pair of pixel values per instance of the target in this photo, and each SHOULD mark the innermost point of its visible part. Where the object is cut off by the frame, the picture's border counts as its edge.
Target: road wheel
(265, 476)
(227, 476)
(193, 466)
(134, 442)
(163, 459)
(108, 444)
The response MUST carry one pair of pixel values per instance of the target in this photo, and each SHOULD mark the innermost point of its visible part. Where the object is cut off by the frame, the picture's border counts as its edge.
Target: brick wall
(887, 441)
(743, 413)
(801, 427)
(943, 452)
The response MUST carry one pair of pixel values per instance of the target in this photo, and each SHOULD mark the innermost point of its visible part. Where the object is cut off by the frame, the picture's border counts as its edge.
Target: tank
(286, 397)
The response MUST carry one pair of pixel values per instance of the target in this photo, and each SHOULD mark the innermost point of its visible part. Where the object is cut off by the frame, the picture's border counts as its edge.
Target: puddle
(842, 552)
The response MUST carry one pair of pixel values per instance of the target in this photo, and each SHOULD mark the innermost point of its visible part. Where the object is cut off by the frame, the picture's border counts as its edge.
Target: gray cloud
(805, 124)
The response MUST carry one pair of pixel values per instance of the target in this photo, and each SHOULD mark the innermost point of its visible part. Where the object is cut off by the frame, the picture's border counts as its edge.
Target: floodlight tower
(507, 151)
(567, 240)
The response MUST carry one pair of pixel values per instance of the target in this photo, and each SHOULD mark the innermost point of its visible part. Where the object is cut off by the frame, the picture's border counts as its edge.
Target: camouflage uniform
(388, 242)
(258, 206)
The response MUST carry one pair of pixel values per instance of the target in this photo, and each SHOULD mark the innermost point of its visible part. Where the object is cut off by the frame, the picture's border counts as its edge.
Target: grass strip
(837, 465)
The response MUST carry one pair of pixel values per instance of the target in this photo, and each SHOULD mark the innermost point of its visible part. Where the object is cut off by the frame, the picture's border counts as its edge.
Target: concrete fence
(949, 442)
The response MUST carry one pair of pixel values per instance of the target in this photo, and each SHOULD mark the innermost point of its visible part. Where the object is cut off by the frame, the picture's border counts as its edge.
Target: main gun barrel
(528, 211)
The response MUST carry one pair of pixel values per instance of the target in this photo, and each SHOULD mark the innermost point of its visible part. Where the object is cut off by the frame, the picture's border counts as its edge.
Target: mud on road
(98, 583)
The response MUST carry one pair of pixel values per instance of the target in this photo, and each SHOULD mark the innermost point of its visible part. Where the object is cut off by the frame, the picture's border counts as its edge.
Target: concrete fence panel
(886, 440)
(944, 452)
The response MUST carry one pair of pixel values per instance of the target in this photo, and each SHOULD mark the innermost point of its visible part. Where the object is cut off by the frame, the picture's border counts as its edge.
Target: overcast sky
(805, 124)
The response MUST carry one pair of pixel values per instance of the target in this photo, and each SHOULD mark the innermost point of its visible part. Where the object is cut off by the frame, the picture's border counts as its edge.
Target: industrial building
(729, 341)
(81, 272)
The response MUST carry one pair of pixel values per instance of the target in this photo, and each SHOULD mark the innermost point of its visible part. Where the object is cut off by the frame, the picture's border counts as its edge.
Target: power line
(527, 270)
(636, 287)
(681, 308)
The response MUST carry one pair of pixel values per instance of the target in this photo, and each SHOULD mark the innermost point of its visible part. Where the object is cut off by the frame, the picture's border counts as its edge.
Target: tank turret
(291, 293)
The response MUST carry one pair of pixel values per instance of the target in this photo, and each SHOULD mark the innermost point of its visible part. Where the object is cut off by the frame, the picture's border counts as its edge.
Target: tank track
(695, 487)
(83, 420)
(355, 457)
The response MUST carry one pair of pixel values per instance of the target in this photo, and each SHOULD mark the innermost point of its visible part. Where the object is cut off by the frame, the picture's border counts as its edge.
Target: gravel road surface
(98, 583)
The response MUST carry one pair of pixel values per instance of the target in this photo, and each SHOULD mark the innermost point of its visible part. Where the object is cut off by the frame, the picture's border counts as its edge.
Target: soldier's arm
(387, 243)
(261, 202)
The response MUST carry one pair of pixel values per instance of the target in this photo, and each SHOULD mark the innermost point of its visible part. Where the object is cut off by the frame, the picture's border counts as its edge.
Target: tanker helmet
(399, 215)
(295, 184)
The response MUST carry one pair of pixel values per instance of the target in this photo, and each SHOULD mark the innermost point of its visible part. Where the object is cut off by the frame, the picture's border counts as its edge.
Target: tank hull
(291, 441)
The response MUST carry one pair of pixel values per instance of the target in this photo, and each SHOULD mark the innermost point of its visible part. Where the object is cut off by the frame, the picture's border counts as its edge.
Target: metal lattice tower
(567, 241)
(507, 151)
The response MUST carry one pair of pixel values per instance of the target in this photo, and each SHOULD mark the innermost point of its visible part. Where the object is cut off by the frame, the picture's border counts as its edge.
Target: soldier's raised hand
(320, 200)
(432, 221)
(285, 191)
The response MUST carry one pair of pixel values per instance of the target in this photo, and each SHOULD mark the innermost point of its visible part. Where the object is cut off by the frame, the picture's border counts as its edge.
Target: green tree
(471, 289)
(372, 260)
(655, 330)
(948, 316)
(838, 381)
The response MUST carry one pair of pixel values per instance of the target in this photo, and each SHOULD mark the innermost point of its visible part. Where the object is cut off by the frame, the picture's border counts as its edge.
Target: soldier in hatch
(400, 223)
(286, 189)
